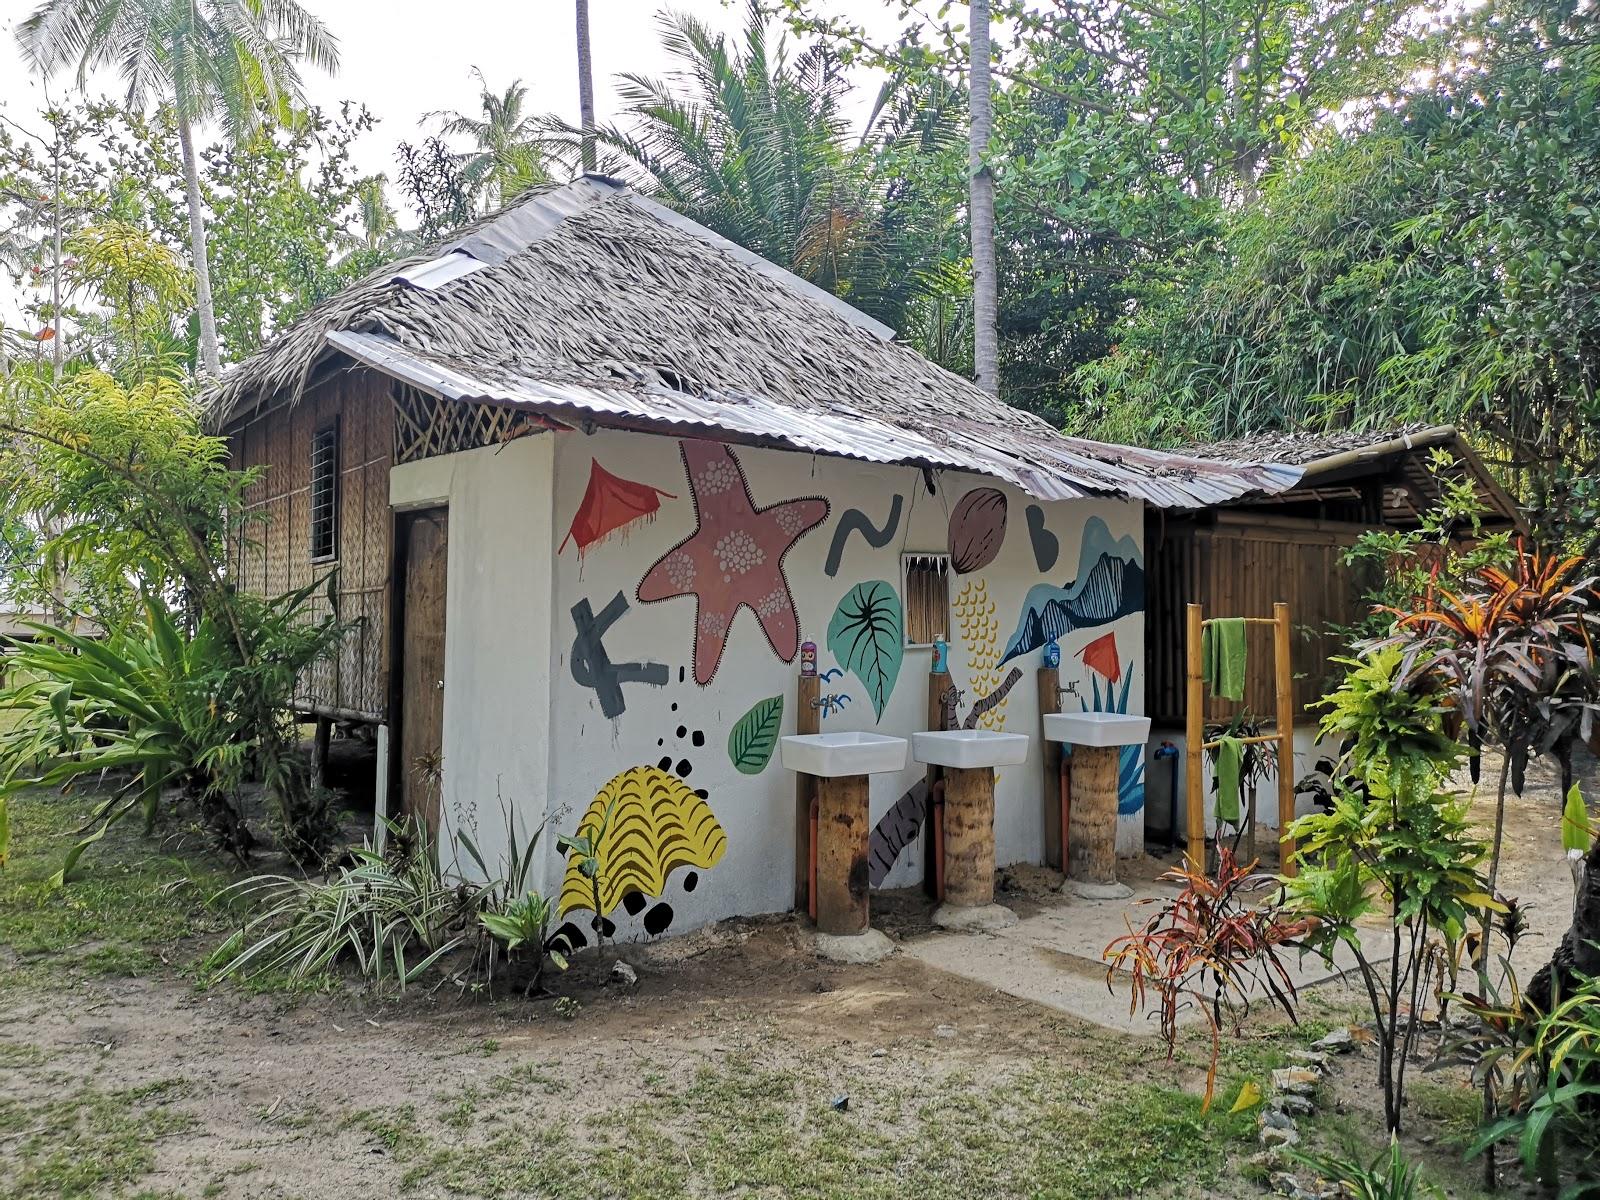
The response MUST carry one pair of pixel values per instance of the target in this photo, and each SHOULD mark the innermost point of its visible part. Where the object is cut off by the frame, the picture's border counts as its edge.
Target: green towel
(1230, 755)
(1223, 656)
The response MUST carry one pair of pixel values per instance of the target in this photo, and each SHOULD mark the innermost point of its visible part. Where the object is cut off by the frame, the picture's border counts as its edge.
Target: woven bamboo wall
(275, 555)
(1240, 571)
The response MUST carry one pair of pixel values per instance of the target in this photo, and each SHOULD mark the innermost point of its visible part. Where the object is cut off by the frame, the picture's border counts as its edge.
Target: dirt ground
(740, 1064)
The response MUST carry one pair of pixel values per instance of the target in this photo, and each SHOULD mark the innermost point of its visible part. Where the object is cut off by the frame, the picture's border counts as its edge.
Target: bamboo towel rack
(1283, 687)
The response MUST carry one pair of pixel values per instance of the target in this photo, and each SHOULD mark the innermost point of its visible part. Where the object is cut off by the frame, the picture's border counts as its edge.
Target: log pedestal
(1092, 823)
(844, 828)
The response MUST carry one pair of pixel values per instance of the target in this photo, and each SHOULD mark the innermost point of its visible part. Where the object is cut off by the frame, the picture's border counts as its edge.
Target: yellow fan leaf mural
(656, 824)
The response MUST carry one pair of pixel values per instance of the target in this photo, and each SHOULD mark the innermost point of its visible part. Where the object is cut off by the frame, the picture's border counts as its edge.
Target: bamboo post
(807, 719)
(1050, 702)
(1284, 679)
(1194, 737)
(938, 684)
(843, 833)
(320, 746)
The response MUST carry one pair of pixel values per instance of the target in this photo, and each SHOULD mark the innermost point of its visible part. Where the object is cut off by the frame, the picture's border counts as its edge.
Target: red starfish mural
(733, 559)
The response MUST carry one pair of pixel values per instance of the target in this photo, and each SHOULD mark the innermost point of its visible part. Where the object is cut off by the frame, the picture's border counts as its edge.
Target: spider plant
(393, 916)
(1387, 1177)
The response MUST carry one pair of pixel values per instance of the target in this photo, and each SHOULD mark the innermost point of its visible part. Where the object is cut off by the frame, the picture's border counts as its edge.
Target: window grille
(927, 597)
(325, 493)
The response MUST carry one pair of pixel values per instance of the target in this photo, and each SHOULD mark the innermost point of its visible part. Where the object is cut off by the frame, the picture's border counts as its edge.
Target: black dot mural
(657, 919)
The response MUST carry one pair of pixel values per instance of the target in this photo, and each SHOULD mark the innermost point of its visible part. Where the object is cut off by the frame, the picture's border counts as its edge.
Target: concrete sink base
(1086, 889)
(855, 948)
(974, 918)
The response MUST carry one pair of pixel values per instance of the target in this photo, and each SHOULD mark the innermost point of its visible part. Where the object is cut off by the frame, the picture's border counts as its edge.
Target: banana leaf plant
(161, 705)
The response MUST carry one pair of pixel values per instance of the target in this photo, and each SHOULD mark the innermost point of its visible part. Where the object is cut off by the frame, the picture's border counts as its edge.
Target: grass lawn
(139, 898)
(739, 1066)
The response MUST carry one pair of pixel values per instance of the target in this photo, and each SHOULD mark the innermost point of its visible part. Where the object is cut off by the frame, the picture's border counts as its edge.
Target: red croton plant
(1211, 948)
(1515, 649)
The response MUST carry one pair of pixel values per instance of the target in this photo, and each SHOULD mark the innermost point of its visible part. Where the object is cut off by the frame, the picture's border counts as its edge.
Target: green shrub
(172, 707)
(392, 914)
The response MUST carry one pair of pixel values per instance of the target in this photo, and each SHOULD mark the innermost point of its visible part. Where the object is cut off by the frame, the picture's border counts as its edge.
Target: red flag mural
(611, 503)
(1100, 656)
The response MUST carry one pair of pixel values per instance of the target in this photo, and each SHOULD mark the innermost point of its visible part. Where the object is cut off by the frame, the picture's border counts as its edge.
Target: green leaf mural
(867, 638)
(755, 735)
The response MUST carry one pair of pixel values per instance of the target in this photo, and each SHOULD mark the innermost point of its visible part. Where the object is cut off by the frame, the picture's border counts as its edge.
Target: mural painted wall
(673, 652)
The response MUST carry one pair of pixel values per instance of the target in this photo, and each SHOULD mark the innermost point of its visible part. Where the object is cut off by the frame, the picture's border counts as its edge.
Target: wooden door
(422, 538)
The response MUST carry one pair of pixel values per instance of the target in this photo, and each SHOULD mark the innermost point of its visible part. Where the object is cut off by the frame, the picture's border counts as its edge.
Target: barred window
(325, 493)
(927, 593)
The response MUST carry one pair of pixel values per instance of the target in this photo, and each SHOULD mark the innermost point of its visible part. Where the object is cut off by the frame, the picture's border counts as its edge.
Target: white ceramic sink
(833, 754)
(1096, 729)
(968, 748)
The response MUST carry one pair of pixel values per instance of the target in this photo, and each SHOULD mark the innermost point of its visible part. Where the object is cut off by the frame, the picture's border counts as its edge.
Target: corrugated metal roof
(1048, 466)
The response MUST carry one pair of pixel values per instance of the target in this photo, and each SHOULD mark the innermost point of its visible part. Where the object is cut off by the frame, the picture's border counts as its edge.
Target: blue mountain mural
(1097, 540)
(1110, 584)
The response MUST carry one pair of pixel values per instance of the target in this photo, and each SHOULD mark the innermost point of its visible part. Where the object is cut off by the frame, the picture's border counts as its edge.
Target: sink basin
(833, 754)
(967, 748)
(1097, 729)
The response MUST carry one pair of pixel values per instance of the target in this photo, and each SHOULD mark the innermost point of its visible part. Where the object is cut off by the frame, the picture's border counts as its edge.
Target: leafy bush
(1540, 1073)
(174, 707)
(136, 511)
(1395, 843)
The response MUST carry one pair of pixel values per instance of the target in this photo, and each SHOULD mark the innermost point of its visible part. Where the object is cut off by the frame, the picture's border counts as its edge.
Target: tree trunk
(1487, 926)
(969, 836)
(210, 360)
(1578, 954)
(56, 350)
(585, 86)
(985, 274)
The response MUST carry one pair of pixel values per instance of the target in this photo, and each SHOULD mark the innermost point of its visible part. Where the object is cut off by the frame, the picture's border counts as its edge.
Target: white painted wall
(497, 636)
(757, 812)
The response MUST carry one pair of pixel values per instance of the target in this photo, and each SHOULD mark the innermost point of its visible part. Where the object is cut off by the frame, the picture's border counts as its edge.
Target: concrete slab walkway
(1052, 956)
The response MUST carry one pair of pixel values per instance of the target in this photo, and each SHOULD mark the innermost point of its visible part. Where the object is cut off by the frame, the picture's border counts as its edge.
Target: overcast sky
(406, 58)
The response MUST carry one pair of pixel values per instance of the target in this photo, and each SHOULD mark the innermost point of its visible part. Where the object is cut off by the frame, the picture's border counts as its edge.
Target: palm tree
(509, 153)
(233, 59)
(747, 142)
(585, 85)
(752, 142)
(985, 272)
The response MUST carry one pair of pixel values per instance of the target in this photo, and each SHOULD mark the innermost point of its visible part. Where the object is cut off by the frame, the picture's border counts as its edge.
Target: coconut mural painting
(977, 529)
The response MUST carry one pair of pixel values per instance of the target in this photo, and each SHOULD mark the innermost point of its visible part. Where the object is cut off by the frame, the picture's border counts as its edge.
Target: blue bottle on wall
(1052, 653)
(941, 656)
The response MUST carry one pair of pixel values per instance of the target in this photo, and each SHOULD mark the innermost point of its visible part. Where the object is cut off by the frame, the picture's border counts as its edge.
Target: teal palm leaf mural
(867, 638)
(1130, 763)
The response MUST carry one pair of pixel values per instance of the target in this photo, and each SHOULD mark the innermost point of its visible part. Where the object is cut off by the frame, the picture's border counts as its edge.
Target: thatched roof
(1302, 448)
(596, 306)
(1400, 457)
